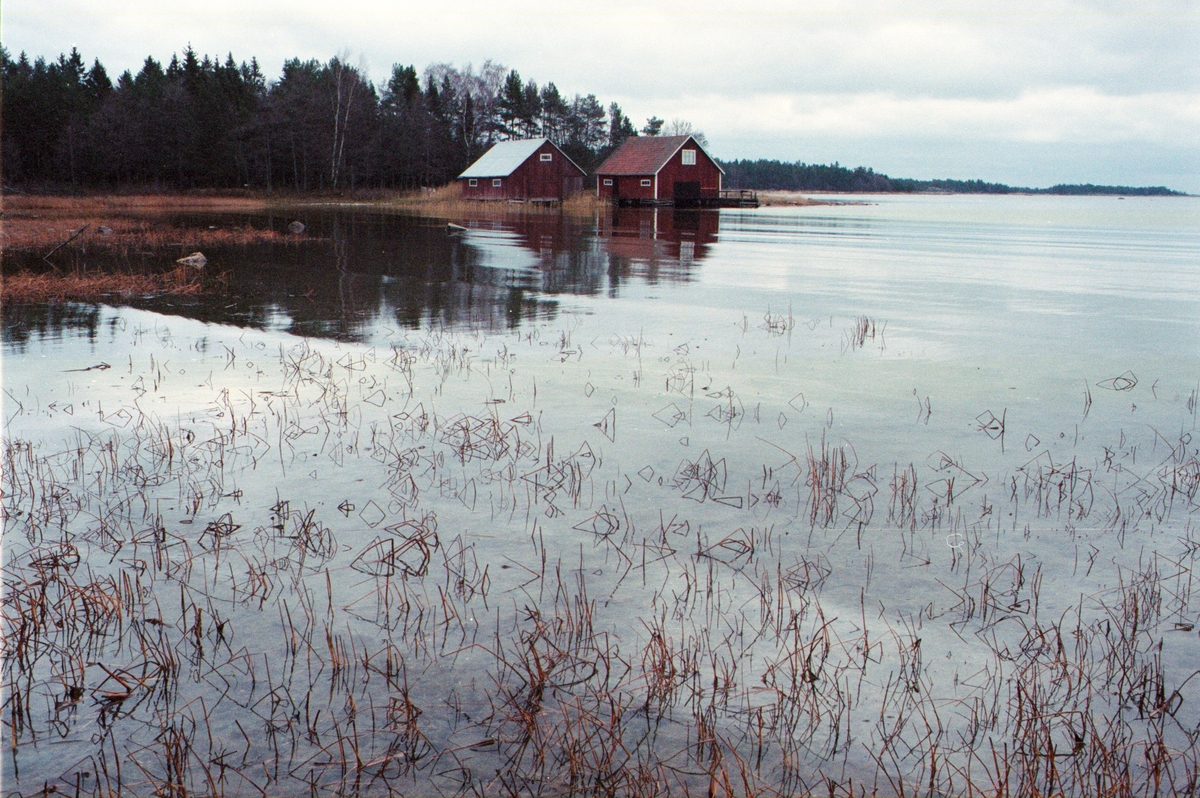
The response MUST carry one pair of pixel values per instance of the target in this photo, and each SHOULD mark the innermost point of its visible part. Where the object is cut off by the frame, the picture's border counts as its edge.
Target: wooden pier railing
(738, 198)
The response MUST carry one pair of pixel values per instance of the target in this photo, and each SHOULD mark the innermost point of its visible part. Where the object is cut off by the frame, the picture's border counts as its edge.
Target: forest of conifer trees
(200, 122)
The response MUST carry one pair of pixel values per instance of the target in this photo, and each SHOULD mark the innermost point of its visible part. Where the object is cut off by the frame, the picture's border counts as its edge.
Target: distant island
(765, 175)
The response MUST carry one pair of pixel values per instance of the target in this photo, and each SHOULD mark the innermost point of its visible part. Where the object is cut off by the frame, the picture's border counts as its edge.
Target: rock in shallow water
(196, 260)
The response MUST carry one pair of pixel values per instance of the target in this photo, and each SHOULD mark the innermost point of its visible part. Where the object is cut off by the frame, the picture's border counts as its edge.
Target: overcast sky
(1025, 93)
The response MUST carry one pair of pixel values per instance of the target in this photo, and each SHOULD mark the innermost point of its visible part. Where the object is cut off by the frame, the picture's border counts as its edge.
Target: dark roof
(645, 155)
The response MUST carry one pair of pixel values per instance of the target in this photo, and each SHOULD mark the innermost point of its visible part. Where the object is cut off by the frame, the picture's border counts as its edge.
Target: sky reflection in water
(642, 502)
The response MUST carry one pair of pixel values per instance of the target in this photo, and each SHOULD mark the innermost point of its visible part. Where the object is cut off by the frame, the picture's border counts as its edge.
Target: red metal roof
(644, 155)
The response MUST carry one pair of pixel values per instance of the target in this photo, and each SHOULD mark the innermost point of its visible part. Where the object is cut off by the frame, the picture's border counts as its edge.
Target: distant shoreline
(770, 175)
(801, 198)
(1016, 192)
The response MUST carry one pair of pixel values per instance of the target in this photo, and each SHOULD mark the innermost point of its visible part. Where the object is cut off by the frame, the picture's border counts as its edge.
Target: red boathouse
(660, 170)
(531, 170)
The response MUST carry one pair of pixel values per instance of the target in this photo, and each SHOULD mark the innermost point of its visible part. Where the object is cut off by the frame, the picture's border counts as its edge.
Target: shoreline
(36, 229)
(774, 198)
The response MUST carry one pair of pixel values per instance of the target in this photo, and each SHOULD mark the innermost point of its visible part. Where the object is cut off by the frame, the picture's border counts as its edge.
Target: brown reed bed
(93, 286)
(112, 230)
(794, 199)
(447, 202)
(141, 203)
(128, 225)
(43, 232)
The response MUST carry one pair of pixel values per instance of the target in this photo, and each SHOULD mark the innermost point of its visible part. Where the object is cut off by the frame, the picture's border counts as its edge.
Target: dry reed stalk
(742, 683)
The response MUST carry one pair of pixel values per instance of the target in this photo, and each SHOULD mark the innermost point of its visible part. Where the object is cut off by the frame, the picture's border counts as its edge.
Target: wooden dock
(737, 198)
(726, 198)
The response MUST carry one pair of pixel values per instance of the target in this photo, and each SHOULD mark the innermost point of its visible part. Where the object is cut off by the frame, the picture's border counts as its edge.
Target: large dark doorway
(687, 192)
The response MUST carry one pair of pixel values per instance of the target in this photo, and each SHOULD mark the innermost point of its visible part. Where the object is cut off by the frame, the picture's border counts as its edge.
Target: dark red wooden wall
(534, 179)
(705, 172)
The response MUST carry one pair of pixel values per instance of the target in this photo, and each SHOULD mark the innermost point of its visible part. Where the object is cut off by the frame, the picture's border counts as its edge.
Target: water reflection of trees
(24, 322)
(357, 270)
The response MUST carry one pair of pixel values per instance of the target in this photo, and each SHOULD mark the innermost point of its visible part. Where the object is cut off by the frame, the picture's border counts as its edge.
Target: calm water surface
(899, 494)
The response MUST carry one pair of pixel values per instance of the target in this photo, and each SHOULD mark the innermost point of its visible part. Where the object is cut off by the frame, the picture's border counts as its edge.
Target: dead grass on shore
(101, 204)
(113, 225)
(792, 199)
(26, 286)
(121, 236)
(122, 225)
(131, 224)
(447, 202)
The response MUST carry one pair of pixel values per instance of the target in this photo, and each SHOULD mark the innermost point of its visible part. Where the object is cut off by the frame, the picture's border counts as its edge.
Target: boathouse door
(687, 191)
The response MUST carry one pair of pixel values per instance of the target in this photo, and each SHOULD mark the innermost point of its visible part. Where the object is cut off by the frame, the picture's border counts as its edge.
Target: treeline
(777, 175)
(1088, 188)
(200, 122)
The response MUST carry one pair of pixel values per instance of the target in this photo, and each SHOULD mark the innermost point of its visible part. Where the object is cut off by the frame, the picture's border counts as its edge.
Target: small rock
(196, 260)
(296, 228)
